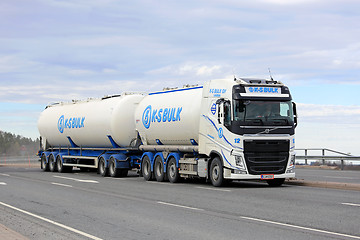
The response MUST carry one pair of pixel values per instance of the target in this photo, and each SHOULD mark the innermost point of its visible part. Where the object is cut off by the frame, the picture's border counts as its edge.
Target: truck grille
(266, 156)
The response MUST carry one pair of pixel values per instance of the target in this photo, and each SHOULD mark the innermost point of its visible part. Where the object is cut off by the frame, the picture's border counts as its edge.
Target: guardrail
(339, 157)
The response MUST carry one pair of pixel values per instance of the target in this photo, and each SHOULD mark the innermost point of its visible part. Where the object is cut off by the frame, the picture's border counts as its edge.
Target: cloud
(190, 69)
(334, 114)
(60, 91)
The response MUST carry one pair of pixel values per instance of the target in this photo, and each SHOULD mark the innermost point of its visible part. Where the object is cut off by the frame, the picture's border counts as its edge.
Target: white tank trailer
(241, 129)
(91, 123)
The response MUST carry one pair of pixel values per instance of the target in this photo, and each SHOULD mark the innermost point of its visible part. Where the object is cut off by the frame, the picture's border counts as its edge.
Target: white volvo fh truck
(241, 129)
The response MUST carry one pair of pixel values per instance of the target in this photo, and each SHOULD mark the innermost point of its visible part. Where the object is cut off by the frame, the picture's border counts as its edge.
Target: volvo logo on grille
(267, 130)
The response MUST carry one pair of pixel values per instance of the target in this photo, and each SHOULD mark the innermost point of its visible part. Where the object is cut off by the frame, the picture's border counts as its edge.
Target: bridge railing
(324, 155)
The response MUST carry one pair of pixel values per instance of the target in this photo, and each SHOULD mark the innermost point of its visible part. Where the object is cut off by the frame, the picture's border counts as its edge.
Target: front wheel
(277, 182)
(216, 173)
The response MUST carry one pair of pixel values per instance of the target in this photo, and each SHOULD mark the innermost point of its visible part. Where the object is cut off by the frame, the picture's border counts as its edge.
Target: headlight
(239, 161)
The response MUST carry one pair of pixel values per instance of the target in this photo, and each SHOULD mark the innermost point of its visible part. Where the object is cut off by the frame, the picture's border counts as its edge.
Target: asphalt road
(345, 176)
(45, 205)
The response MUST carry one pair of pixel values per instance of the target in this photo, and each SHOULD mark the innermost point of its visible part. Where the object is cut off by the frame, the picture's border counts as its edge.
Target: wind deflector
(261, 92)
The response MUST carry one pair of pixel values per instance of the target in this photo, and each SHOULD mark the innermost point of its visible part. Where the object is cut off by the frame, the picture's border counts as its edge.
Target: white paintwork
(175, 131)
(112, 116)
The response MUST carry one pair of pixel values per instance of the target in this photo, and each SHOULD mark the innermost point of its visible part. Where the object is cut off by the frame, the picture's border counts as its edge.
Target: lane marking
(215, 189)
(77, 180)
(164, 183)
(180, 206)
(3, 174)
(117, 178)
(52, 222)
(2, 183)
(300, 227)
(59, 184)
(340, 177)
(351, 204)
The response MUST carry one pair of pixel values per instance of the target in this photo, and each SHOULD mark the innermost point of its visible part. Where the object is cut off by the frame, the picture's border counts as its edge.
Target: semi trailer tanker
(241, 129)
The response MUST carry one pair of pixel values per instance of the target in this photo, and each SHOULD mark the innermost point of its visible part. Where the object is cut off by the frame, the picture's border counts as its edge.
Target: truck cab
(248, 127)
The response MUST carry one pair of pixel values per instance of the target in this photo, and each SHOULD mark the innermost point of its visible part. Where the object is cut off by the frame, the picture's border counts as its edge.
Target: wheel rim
(102, 166)
(59, 164)
(216, 172)
(172, 170)
(112, 167)
(43, 163)
(158, 169)
(146, 168)
(51, 163)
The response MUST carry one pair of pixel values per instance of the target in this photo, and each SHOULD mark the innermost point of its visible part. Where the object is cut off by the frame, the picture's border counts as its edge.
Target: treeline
(16, 145)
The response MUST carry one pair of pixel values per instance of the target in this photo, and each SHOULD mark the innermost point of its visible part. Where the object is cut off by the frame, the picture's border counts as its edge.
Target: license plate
(266, 176)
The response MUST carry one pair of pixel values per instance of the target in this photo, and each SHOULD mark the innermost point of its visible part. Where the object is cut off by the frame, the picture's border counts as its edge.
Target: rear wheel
(216, 173)
(277, 182)
(44, 164)
(146, 168)
(113, 171)
(159, 169)
(173, 171)
(60, 166)
(103, 171)
(52, 163)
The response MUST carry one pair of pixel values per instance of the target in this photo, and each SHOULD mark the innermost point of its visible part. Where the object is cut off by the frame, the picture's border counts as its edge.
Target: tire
(59, 165)
(103, 171)
(172, 171)
(113, 171)
(277, 182)
(146, 168)
(159, 169)
(216, 173)
(52, 163)
(44, 164)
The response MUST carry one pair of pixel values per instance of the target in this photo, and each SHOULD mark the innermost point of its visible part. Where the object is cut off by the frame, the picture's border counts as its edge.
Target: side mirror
(295, 114)
(219, 101)
(220, 106)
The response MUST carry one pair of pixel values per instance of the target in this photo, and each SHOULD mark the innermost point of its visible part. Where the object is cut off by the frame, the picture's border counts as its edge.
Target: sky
(59, 50)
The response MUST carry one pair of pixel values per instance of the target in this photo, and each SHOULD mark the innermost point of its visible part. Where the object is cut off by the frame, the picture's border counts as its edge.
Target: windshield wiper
(281, 119)
(255, 120)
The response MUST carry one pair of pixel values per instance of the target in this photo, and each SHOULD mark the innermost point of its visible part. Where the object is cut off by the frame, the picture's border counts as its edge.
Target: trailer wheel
(52, 163)
(277, 182)
(216, 173)
(60, 167)
(113, 171)
(173, 171)
(146, 168)
(159, 169)
(103, 171)
(44, 164)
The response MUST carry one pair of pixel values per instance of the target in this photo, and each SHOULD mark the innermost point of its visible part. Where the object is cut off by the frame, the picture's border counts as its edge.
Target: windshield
(267, 113)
